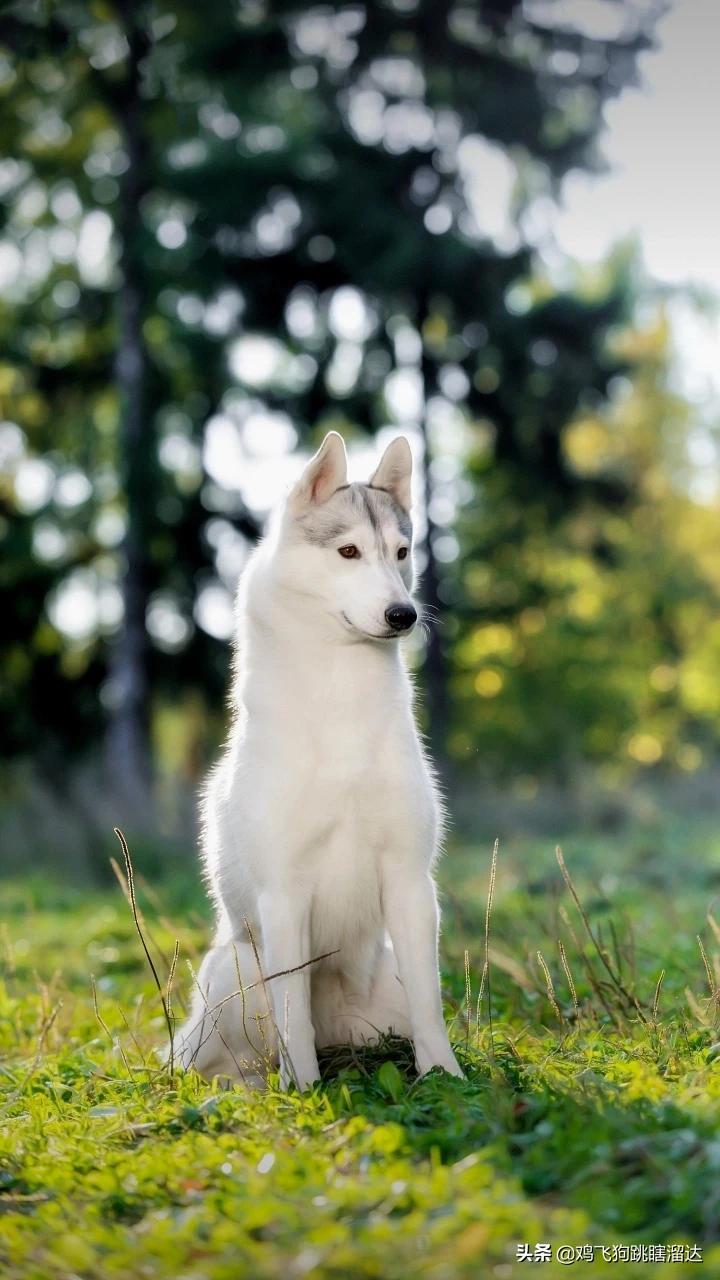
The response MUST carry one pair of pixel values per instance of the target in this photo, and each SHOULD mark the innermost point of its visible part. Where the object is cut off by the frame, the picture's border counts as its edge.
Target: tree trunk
(128, 736)
(436, 672)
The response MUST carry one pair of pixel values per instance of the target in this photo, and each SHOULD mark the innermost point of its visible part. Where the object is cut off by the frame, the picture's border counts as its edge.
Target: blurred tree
(128, 737)
(237, 226)
(590, 630)
(366, 235)
(96, 393)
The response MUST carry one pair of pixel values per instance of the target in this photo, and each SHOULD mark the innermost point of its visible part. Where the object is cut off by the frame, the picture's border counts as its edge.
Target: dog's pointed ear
(394, 473)
(324, 473)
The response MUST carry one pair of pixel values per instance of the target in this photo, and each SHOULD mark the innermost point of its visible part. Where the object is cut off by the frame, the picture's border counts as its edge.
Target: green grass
(595, 1124)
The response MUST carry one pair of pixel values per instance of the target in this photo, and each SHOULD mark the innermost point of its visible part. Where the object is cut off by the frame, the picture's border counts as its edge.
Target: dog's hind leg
(228, 1032)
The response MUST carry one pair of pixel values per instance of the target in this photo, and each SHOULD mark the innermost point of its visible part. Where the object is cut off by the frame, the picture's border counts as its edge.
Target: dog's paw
(441, 1057)
(297, 1078)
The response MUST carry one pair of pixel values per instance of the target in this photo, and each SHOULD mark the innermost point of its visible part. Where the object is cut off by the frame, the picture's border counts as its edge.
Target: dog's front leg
(285, 928)
(412, 919)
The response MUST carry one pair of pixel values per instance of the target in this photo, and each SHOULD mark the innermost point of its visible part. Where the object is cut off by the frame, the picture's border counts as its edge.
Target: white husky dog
(322, 821)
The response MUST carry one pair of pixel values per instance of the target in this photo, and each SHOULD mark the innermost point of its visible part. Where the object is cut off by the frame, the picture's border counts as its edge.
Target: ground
(588, 1118)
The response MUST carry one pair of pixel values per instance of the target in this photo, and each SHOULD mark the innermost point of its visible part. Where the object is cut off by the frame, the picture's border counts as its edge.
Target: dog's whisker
(431, 624)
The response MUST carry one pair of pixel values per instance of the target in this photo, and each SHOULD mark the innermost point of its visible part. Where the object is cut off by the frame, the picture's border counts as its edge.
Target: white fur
(321, 821)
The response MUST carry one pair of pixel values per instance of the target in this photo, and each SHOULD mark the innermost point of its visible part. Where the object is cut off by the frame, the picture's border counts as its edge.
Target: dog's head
(349, 546)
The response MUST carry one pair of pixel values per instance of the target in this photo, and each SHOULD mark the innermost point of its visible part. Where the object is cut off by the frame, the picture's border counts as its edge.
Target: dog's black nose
(400, 617)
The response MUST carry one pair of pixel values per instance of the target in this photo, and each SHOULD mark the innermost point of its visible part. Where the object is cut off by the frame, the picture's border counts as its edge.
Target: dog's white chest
(345, 906)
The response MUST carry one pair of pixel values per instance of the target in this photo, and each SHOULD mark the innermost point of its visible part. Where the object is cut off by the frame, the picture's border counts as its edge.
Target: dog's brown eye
(350, 552)
(402, 553)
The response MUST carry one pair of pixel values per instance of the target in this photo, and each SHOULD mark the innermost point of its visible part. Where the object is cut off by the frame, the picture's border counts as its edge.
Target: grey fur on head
(350, 505)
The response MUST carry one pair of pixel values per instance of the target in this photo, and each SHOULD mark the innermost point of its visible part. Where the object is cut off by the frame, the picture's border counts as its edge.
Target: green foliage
(599, 1127)
(244, 164)
(589, 631)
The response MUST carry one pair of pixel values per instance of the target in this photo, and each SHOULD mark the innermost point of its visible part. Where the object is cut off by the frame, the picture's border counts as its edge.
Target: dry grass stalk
(656, 998)
(615, 980)
(549, 986)
(133, 907)
(568, 975)
(488, 917)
